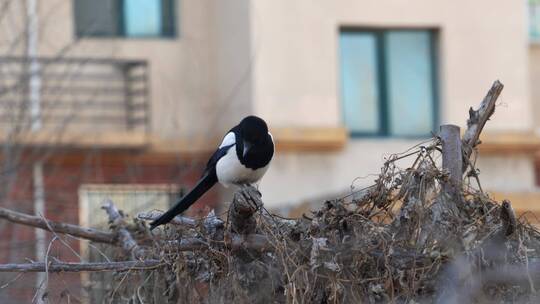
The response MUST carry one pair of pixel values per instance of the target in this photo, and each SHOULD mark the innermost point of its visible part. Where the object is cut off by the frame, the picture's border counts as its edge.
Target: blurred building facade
(133, 95)
(341, 84)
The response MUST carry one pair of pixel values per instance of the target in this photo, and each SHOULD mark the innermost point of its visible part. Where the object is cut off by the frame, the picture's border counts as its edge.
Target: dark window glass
(125, 18)
(97, 17)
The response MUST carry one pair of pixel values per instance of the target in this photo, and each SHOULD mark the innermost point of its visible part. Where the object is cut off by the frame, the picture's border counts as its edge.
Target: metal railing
(86, 94)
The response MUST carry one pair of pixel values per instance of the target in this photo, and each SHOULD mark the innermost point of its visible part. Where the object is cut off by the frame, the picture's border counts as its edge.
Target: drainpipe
(34, 98)
(34, 80)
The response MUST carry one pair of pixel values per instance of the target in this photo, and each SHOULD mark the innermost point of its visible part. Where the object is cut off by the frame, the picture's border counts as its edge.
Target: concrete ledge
(310, 139)
(82, 140)
(524, 203)
(286, 140)
(509, 143)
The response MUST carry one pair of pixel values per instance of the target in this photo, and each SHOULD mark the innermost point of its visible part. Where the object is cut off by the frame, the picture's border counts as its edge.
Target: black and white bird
(242, 158)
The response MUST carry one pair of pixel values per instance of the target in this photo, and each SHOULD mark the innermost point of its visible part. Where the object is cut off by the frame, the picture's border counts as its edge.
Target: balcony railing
(75, 94)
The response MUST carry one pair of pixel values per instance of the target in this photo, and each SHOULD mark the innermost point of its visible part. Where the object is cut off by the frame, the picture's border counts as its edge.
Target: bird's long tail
(205, 183)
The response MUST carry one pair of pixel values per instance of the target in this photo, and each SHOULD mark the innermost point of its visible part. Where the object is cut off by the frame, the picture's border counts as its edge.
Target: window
(388, 85)
(534, 20)
(129, 198)
(124, 18)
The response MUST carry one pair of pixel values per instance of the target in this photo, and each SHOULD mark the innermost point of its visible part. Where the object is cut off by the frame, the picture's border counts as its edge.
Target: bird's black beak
(247, 147)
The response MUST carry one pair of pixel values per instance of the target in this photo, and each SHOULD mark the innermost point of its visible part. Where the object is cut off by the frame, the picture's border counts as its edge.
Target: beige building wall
(282, 54)
(200, 80)
(534, 69)
(296, 83)
(296, 47)
(279, 59)
(234, 62)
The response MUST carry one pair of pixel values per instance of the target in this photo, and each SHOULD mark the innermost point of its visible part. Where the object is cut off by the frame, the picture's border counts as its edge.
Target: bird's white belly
(229, 170)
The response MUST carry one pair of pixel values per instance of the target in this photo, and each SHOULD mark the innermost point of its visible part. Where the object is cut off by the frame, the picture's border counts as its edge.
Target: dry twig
(398, 240)
(74, 230)
(116, 219)
(79, 267)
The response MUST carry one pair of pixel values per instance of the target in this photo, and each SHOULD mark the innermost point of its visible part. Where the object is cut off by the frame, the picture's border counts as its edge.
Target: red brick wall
(17, 242)
(63, 174)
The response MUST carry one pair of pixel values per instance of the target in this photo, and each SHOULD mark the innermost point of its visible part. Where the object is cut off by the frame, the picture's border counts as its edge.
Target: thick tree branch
(452, 158)
(74, 230)
(79, 267)
(245, 203)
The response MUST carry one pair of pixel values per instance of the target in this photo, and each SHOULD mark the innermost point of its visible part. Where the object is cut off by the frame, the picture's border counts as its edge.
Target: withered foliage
(405, 239)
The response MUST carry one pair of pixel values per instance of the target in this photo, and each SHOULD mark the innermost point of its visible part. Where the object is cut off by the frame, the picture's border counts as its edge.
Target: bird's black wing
(220, 152)
(208, 179)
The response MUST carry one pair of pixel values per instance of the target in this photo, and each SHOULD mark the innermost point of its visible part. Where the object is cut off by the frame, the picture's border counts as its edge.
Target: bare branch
(58, 227)
(190, 244)
(232, 241)
(79, 267)
(251, 241)
(124, 237)
(177, 220)
(508, 217)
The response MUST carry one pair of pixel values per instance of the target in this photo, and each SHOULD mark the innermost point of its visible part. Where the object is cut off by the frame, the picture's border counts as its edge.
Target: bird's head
(254, 132)
(253, 129)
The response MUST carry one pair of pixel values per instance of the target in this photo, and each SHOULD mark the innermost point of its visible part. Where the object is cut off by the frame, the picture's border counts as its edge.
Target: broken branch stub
(245, 203)
(477, 120)
(508, 218)
(452, 156)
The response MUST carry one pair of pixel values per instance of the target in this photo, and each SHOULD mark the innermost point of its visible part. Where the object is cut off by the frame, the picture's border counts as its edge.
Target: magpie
(242, 158)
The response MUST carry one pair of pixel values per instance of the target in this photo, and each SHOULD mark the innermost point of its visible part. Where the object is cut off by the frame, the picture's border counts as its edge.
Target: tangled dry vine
(424, 231)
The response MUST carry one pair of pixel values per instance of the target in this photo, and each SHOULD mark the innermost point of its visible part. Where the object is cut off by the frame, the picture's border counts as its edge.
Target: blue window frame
(125, 18)
(388, 82)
